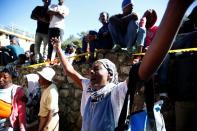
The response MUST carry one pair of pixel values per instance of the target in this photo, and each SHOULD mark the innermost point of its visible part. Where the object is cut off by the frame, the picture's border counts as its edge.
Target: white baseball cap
(47, 73)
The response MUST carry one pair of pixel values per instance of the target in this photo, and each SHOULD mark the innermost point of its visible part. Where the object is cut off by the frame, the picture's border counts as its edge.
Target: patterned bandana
(102, 93)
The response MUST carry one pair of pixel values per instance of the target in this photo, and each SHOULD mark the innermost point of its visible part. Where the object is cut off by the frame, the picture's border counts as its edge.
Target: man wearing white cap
(123, 27)
(49, 118)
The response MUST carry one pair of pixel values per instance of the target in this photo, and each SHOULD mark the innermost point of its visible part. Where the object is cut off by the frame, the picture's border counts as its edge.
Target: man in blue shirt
(11, 52)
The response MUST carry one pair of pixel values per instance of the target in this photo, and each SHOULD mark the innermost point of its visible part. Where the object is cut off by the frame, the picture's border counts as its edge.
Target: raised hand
(56, 43)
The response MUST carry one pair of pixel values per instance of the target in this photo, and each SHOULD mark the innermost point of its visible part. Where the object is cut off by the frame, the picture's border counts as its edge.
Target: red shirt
(150, 34)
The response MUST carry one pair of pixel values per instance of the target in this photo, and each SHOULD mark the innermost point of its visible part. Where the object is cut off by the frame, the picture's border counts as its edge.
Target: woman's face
(99, 75)
(5, 79)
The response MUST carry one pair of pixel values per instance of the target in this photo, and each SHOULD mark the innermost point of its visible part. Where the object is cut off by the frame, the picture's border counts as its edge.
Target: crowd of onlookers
(121, 31)
(124, 31)
(175, 78)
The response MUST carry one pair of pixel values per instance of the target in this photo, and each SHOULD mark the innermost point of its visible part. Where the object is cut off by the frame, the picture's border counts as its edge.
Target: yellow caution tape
(172, 51)
(136, 54)
(48, 62)
(36, 65)
(183, 50)
(78, 55)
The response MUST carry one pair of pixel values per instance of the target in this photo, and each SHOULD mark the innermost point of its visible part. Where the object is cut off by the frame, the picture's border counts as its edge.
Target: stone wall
(70, 94)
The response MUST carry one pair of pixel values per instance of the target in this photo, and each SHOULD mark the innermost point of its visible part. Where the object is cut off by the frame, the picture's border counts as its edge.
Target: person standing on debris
(41, 16)
(56, 28)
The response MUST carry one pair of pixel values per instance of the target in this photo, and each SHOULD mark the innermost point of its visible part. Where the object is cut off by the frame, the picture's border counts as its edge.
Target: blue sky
(83, 13)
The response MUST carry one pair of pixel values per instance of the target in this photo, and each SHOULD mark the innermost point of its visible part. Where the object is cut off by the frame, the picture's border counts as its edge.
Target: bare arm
(164, 37)
(68, 68)
(47, 119)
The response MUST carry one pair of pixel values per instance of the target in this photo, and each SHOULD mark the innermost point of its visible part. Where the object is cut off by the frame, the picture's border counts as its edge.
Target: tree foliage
(75, 40)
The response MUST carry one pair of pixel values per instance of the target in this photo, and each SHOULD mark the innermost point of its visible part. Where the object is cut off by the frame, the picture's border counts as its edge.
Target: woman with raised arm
(102, 97)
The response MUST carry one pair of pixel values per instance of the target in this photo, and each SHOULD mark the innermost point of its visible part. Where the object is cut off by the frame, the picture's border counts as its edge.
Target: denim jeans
(39, 38)
(141, 35)
(125, 40)
(54, 32)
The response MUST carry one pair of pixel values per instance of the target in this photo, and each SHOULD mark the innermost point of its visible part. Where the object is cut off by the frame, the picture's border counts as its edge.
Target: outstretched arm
(164, 37)
(68, 68)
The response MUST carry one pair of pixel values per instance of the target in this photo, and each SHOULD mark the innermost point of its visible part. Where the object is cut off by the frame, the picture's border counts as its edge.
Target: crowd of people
(122, 31)
(33, 106)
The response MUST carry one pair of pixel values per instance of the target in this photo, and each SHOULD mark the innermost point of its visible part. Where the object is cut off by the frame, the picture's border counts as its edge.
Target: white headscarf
(32, 82)
(111, 68)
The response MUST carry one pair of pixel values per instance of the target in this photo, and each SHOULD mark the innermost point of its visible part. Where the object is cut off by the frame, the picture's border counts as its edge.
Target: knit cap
(125, 3)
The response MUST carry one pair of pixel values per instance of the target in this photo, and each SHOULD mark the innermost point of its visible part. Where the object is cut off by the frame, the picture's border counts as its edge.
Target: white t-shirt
(49, 100)
(58, 22)
(6, 94)
(117, 98)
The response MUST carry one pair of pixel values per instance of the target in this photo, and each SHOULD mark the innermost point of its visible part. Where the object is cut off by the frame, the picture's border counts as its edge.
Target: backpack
(135, 115)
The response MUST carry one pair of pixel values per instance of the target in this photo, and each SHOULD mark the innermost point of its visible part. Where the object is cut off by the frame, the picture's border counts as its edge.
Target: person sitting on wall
(100, 40)
(151, 28)
(11, 52)
(123, 27)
